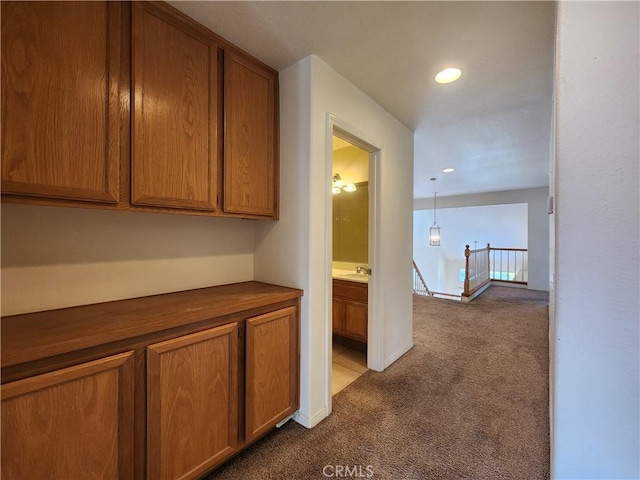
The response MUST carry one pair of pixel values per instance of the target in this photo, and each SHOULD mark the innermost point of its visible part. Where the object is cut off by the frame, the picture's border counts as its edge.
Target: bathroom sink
(358, 277)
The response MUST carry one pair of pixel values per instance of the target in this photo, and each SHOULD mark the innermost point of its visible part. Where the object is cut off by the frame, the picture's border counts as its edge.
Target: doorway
(348, 137)
(350, 262)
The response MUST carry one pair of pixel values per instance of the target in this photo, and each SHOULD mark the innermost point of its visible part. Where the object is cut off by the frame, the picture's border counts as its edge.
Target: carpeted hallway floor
(469, 401)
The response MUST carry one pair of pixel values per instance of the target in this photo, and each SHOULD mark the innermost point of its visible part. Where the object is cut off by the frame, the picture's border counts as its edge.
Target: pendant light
(434, 231)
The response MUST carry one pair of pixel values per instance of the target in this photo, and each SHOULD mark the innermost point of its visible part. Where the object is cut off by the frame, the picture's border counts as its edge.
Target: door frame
(375, 352)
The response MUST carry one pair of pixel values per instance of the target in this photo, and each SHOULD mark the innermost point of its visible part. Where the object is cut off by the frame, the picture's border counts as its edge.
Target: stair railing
(510, 265)
(491, 264)
(476, 270)
(419, 285)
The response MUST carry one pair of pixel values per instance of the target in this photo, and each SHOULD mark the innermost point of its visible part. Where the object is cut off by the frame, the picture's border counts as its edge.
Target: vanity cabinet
(350, 309)
(134, 106)
(73, 422)
(168, 386)
(60, 100)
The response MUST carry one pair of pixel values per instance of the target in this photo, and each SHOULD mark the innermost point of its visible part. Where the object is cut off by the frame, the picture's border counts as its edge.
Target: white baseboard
(310, 422)
(395, 356)
(476, 293)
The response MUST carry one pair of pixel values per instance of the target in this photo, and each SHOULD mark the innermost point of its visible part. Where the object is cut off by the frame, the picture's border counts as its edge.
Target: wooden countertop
(38, 335)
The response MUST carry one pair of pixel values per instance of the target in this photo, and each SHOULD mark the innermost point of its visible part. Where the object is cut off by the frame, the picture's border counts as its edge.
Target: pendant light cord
(434, 207)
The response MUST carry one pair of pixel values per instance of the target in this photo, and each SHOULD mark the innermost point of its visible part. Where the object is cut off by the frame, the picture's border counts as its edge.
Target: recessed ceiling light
(448, 75)
(448, 170)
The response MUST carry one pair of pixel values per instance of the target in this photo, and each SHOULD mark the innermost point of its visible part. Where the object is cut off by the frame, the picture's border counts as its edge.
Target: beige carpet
(469, 401)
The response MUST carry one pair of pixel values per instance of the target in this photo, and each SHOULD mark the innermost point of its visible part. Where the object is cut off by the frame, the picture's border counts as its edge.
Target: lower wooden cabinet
(163, 387)
(192, 402)
(350, 309)
(75, 422)
(271, 373)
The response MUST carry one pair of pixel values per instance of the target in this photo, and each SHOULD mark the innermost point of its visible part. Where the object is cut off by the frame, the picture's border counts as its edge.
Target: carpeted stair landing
(469, 401)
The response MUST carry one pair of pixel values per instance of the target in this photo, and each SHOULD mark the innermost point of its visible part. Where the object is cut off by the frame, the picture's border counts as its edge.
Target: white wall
(58, 257)
(282, 248)
(595, 390)
(331, 93)
(295, 252)
(499, 225)
(537, 224)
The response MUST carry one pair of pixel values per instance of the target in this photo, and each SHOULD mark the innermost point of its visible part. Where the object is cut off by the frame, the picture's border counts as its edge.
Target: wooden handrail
(509, 249)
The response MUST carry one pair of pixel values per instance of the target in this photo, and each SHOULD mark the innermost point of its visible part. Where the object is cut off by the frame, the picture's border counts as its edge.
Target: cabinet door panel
(249, 146)
(175, 115)
(271, 370)
(192, 409)
(60, 99)
(71, 423)
(355, 320)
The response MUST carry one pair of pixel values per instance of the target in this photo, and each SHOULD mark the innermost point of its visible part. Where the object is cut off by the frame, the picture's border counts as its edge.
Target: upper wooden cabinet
(134, 106)
(175, 112)
(60, 100)
(250, 148)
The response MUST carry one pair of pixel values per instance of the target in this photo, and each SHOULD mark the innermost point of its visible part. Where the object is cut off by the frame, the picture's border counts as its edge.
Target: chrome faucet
(362, 269)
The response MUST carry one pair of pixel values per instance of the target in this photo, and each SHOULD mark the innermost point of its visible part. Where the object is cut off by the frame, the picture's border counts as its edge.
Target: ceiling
(493, 125)
(350, 162)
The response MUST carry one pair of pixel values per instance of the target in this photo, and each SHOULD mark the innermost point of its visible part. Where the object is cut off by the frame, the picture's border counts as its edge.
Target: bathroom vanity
(350, 307)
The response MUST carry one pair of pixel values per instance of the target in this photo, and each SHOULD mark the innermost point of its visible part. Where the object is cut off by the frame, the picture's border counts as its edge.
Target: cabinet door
(192, 402)
(337, 318)
(60, 100)
(71, 423)
(250, 169)
(272, 358)
(175, 112)
(355, 320)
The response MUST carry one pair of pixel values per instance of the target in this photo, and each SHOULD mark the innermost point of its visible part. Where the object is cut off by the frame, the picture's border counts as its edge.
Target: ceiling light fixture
(448, 170)
(434, 231)
(448, 75)
(337, 185)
